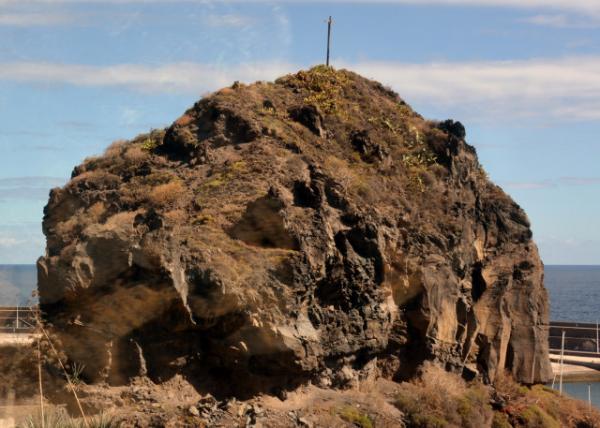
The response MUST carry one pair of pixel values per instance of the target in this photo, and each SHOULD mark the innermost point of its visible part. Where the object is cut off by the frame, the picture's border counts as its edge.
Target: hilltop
(312, 230)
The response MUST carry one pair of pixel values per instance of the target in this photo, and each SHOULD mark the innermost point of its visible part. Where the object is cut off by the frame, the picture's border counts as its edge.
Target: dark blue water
(574, 292)
(580, 390)
(575, 296)
(17, 283)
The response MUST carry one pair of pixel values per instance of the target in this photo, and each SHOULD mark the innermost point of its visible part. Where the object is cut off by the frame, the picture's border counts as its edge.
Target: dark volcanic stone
(214, 250)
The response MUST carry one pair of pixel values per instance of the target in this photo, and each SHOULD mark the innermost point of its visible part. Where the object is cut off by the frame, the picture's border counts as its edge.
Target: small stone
(324, 382)
(193, 411)
(304, 423)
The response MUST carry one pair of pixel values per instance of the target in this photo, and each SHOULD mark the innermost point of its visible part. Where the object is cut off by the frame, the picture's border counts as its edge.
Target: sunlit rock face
(314, 228)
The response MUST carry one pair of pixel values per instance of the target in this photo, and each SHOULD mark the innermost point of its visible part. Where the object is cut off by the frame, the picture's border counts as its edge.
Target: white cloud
(529, 185)
(31, 181)
(9, 242)
(20, 242)
(178, 77)
(560, 250)
(567, 88)
(549, 183)
(130, 116)
(36, 19)
(229, 20)
(563, 20)
(580, 181)
(587, 12)
(558, 20)
(573, 5)
(555, 89)
(28, 188)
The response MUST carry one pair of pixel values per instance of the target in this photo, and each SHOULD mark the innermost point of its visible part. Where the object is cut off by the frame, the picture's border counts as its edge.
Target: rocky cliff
(314, 228)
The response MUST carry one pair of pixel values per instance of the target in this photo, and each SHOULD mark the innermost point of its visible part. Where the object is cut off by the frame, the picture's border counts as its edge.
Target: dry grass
(184, 120)
(115, 149)
(123, 219)
(176, 216)
(446, 384)
(64, 228)
(351, 179)
(442, 399)
(96, 179)
(57, 417)
(507, 387)
(325, 87)
(96, 211)
(166, 195)
(136, 154)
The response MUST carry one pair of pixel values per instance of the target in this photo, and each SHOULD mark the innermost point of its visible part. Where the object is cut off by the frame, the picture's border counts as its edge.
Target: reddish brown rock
(314, 228)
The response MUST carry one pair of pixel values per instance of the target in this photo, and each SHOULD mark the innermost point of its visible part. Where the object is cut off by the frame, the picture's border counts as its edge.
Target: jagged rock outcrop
(312, 228)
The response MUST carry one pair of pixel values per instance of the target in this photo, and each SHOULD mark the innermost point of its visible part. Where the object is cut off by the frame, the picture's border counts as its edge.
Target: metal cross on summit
(329, 22)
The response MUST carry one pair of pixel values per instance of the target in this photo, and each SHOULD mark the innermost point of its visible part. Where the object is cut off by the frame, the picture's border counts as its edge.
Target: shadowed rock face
(311, 228)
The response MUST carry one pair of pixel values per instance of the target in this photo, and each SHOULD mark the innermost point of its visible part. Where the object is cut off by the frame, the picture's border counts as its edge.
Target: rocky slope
(314, 228)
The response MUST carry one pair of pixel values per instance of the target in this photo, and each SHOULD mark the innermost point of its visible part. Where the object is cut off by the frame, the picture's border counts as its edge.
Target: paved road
(572, 359)
(21, 339)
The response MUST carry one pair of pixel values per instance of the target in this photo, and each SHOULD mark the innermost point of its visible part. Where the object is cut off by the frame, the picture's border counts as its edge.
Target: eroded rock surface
(312, 228)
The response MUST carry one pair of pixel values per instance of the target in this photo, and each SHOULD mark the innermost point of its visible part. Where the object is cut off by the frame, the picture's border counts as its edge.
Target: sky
(523, 76)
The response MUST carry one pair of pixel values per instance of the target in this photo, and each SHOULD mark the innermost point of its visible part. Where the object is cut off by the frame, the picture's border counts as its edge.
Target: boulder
(303, 230)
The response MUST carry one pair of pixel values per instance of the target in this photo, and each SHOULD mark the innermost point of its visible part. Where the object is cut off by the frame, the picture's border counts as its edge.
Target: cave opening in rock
(477, 282)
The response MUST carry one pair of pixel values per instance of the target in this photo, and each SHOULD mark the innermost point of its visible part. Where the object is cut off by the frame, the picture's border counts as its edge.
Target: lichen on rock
(291, 231)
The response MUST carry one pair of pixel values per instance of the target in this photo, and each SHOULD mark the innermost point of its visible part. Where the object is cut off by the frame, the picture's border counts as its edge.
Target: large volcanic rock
(311, 228)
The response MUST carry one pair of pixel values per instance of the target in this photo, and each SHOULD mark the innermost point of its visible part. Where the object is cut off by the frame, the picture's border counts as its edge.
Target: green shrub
(354, 416)
(534, 417)
(76, 371)
(500, 421)
(151, 141)
(325, 86)
(429, 421)
(149, 144)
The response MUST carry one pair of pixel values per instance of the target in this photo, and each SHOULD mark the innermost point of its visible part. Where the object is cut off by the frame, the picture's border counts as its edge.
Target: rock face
(315, 228)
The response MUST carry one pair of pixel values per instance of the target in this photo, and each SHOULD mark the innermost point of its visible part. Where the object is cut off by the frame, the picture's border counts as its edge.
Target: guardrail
(581, 339)
(17, 319)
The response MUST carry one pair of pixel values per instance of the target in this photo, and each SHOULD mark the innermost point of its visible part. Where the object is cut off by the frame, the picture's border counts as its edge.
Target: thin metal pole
(17, 316)
(562, 358)
(329, 21)
(597, 341)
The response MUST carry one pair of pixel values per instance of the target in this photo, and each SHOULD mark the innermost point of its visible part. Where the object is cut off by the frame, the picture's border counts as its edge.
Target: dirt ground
(11, 414)
(177, 404)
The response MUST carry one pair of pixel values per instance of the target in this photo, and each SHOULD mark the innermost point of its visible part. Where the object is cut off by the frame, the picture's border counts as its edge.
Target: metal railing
(17, 319)
(580, 339)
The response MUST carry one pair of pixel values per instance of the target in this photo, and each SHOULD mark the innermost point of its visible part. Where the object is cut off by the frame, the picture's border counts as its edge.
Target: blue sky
(522, 75)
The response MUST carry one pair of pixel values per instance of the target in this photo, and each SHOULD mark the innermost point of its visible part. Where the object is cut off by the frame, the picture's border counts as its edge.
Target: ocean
(17, 283)
(574, 293)
(575, 296)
